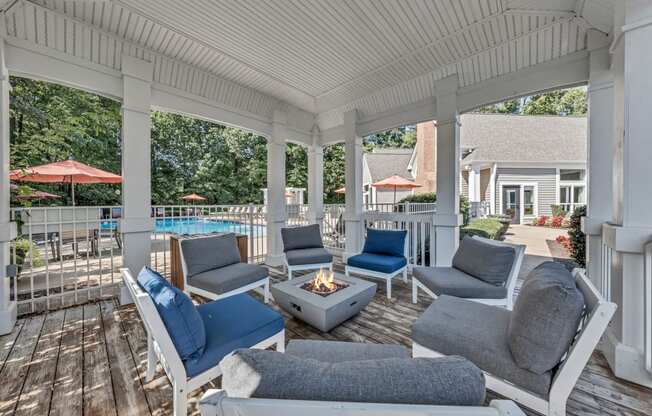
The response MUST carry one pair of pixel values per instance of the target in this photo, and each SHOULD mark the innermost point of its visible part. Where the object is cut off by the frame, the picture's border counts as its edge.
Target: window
(572, 196)
(528, 200)
(571, 174)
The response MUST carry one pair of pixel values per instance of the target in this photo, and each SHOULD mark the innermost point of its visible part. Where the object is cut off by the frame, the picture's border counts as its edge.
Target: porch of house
(90, 359)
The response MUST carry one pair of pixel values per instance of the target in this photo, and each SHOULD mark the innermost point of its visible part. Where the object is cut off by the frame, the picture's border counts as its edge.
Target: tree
(568, 102)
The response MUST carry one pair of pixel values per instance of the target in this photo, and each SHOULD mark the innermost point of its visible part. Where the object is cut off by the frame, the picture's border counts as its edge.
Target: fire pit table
(323, 299)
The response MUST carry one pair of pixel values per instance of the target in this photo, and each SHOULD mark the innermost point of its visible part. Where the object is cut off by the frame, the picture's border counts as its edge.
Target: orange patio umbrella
(395, 182)
(193, 197)
(341, 190)
(37, 195)
(66, 171)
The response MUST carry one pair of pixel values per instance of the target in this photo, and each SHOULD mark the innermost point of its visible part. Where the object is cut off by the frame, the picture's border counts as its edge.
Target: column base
(626, 362)
(8, 318)
(447, 239)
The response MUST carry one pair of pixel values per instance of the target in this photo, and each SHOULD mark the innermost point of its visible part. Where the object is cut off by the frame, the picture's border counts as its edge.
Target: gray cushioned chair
(212, 268)
(533, 354)
(483, 270)
(323, 378)
(304, 249)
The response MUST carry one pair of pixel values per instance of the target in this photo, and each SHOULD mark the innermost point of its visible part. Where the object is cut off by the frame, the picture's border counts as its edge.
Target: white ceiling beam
(536, 12)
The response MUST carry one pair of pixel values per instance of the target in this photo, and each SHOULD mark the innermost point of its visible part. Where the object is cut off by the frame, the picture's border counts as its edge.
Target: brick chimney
(426, 157)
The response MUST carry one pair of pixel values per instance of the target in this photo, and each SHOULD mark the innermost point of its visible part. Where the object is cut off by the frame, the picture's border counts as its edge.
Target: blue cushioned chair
(190, 341)
(383, 256)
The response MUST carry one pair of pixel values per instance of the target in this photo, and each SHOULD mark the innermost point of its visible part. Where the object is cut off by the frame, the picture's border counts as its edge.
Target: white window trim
(521, 185)
(572, 185)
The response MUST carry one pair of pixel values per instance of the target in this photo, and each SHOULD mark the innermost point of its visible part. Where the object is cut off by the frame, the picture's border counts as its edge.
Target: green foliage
(558, 211)
(426, 197)
(401, 137)
(23, 253)
(569, 102)
(578, 239)
(484, 227)
(333, 173)
(506, 107)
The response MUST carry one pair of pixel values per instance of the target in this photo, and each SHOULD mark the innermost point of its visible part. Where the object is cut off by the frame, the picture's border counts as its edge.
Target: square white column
(316, 179)
(353, 185)
(447, 219)
(276, 214)
(7, 228)
(136, 224)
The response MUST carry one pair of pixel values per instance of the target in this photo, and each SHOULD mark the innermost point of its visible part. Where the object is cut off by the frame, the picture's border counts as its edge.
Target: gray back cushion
(485, 261)
(208, 253)
(295, 238)
(545, 318)
(451, 380)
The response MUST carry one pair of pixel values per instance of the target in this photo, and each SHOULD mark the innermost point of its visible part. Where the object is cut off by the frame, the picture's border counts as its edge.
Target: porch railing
(333, 227)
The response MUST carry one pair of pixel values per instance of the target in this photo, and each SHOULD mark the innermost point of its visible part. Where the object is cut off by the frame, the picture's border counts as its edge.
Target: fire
(324, 283)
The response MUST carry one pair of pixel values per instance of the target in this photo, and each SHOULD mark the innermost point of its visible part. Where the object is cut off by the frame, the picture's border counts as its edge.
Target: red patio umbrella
(193, 197)
(341, 190)
(395, 182)
(66, 171)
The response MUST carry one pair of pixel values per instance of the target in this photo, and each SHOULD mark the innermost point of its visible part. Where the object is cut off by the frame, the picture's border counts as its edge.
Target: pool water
(197, 226)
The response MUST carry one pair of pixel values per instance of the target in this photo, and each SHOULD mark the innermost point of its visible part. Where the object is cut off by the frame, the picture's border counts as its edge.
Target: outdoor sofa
(189, 341)
(384, 256)
(212, 268)
(534, 354)
(320, 378)
(483, 270)
(304, 249)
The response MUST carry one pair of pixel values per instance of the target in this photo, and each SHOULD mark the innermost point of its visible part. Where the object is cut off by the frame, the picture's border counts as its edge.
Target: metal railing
(65, 256)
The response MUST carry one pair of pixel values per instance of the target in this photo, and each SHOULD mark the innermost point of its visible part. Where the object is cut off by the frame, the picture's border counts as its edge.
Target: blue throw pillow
(387, 242)
(178, 313)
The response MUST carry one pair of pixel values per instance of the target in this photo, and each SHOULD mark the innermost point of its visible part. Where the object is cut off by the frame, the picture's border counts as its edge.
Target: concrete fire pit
(324, 312)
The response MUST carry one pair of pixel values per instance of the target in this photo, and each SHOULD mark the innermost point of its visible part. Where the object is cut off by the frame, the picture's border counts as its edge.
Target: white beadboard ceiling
(320, 56)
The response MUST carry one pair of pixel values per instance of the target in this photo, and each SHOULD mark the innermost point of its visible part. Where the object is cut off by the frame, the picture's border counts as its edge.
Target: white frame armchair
(597, 317)
(161, 349)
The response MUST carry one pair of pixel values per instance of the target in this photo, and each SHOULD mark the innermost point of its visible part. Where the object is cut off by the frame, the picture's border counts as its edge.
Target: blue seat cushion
(388, 242)
(377, 262)
(179, 315)
(235, 322)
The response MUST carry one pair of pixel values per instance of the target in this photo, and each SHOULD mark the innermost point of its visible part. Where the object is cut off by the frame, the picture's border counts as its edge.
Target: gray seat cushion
(546, 317)
(307, 236)
(454, 282)
(228, 278)
(478, 332)
(484, 260)
(338, 352)
(308, 256)
(273, 375)
(207, 253)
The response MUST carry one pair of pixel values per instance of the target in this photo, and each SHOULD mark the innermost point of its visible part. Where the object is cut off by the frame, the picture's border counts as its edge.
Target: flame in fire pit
(323, 284)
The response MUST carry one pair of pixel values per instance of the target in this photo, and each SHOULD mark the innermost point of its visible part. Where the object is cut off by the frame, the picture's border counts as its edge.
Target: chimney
(426, 149)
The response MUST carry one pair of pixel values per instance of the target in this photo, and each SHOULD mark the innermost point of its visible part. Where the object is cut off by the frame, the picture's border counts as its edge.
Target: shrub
(558, 211)
(541, 221)
(577, 237)
(22, 254)
(556, 221)
(484, 227)
(565, 241)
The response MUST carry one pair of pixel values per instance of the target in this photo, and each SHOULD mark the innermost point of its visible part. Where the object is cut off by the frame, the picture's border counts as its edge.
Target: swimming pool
(197, 226)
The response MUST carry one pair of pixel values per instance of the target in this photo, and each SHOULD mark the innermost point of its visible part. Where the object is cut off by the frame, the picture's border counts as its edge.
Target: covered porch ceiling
(314, 59)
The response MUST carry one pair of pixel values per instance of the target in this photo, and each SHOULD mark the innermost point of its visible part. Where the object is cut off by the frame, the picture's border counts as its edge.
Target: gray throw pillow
(485, 261)
(207, 253)
(545, 318)
(296, 238)
(452, 381)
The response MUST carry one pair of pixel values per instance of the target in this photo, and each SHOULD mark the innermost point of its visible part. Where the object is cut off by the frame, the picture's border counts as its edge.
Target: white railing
(605, 267)
(297, 214)
(570, 208)
(333, 227)
(647, 314)
(65, 256)
(420, 233)
(405, 207)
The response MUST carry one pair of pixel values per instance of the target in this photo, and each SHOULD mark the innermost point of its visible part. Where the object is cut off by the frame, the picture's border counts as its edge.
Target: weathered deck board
(37, 388)
(102, 360)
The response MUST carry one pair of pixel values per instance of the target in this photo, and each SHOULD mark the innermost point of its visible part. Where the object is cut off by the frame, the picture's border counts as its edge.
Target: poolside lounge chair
(320, 378)
(483, 270)
(212, 268)
(533, 354)
(304, 249)
(190, 341)
(384, 256)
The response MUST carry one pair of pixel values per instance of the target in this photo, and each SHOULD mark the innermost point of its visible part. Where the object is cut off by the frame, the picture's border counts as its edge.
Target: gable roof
(520, 138)
(383, 163)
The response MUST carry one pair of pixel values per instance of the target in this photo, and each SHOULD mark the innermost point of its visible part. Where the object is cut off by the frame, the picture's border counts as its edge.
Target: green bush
(484, 227)
(22, 254)
(578, 239)
(558, 211)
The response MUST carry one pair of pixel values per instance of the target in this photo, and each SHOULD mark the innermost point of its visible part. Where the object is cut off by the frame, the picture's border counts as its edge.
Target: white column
(631, 225)
(276, 188)
(492, 189)
(353, 184)
(7, 228)
(474, 184)
(600, 153)
(447, 218)
(136, 224)
(316, 179)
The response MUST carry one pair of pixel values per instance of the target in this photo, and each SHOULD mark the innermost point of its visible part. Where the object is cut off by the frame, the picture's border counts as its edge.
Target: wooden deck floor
(90, 360)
